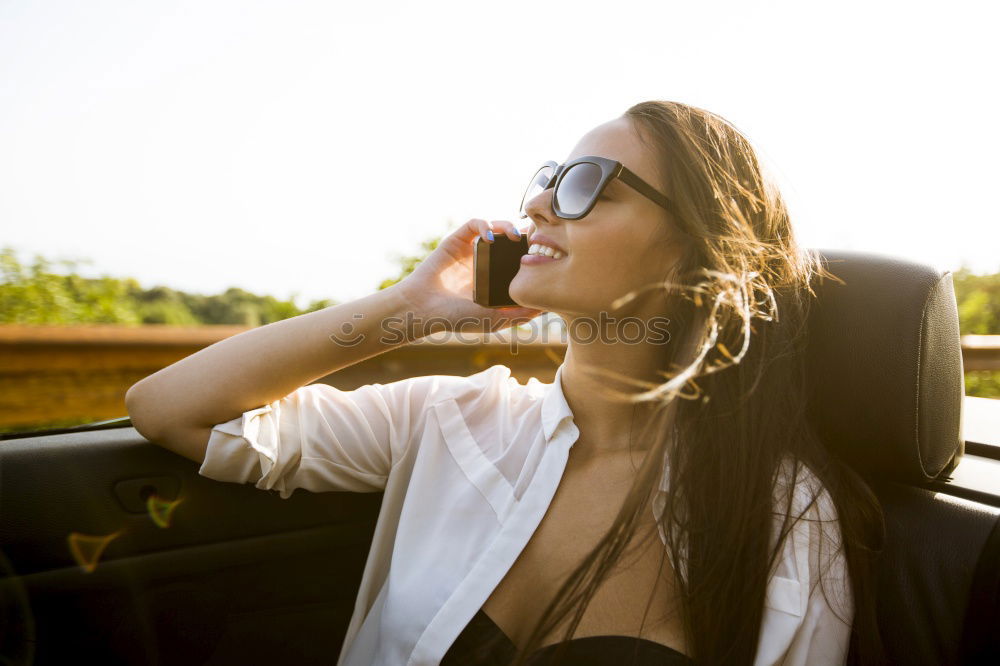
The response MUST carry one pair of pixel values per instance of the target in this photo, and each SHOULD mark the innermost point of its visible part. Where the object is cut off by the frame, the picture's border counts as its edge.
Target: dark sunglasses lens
(536, 186)
(577, 187)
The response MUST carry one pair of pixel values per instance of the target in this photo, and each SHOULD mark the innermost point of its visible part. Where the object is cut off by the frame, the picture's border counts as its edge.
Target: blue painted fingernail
(489, 234)
(517, 232)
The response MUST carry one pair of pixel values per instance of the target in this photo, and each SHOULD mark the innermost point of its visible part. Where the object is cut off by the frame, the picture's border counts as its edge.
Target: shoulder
(491, 406)
(479, 393)
(804, 506)
(798, 488)
(489, 388)
(423, 390)
(490, 381)
(807, 520)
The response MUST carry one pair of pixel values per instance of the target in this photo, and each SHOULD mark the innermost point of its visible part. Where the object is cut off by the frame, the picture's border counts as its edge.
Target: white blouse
(468, 466)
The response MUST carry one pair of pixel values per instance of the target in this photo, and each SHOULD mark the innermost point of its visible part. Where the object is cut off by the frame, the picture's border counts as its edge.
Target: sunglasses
(579, 183)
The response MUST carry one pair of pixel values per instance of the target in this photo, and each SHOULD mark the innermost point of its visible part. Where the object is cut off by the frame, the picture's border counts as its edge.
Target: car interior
(114, 550)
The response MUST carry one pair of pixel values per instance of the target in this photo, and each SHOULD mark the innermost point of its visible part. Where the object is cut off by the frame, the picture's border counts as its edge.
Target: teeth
(545, 250)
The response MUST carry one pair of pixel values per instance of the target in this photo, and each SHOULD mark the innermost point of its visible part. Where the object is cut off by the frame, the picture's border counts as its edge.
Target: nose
(539, 207)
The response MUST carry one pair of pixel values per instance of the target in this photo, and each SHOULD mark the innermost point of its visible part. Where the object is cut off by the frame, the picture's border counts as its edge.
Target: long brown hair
(739, 298)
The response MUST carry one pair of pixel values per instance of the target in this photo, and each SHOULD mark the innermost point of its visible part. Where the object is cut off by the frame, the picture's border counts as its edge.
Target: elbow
(141, 413)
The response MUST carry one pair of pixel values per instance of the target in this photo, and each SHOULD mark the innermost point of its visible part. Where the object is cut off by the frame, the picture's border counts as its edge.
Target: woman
(699, 514)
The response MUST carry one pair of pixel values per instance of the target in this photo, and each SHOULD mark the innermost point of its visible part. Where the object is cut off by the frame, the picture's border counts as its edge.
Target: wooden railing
(75, 374)
(69, 374)
(980, 352)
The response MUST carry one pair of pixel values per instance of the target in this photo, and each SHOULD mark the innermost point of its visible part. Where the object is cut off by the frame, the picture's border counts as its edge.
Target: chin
(522, 296)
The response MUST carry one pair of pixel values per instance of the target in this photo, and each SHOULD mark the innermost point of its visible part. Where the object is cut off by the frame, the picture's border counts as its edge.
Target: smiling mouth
(538, 250)
(531, 259)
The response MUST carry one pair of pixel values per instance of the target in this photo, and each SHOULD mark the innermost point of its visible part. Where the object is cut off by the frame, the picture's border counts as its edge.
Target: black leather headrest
(884, 363)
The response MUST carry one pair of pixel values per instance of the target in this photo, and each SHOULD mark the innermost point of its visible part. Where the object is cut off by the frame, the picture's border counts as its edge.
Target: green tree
(38, 294)
(408, 262)
(978, 298)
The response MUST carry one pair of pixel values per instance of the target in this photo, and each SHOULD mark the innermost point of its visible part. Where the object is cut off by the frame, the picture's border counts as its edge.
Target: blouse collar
(555, 409)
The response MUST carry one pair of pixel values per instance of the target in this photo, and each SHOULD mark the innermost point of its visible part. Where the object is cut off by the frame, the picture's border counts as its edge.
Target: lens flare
(87, 548)
(160, 510)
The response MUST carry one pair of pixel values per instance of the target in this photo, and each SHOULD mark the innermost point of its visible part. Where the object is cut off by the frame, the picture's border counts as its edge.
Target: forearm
(256, 367)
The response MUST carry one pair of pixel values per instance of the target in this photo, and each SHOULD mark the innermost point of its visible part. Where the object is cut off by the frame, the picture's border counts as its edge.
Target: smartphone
(494, 265)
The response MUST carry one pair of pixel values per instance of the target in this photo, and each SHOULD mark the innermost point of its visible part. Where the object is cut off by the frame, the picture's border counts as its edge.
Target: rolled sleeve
(321, 438)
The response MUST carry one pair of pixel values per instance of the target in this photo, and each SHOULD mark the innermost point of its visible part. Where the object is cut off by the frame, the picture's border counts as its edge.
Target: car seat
(884, 362)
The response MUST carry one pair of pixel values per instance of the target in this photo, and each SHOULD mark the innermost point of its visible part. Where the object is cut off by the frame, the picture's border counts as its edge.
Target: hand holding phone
(442, 286)
(494, 265)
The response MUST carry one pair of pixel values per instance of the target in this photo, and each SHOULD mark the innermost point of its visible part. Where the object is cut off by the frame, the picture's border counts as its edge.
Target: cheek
(598, 263)
(649, 260)
(614, 258)
(620, 258)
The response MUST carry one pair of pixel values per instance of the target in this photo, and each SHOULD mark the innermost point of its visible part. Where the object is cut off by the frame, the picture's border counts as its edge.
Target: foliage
(983, 383)
(978, 298)
(409, 262)
(38, 294)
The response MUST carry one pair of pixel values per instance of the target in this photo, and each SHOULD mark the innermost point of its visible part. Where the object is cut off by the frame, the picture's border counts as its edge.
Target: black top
(483, 643)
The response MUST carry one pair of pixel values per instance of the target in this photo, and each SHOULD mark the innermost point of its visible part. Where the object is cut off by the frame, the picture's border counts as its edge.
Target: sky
(297, 148)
